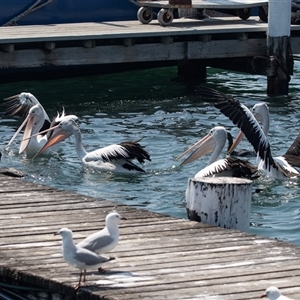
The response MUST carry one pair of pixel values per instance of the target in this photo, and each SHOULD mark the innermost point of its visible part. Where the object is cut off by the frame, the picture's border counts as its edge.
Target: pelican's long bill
(206, 145)
(237, 140)
(57, 136)
(29, 122)
(41, 132)
(17, 132)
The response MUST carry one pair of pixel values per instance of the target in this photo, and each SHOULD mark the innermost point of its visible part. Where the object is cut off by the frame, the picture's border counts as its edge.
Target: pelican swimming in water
(261, 113)
(114, 158)
(21, 105)
(36, 121)
(230, 166)
(240, 115)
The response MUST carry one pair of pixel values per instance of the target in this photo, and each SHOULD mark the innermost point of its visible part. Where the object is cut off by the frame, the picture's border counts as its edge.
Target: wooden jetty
(158, 257)
(229, 43)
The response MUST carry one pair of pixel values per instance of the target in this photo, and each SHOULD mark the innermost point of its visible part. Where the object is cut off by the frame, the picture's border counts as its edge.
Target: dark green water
(150, 105)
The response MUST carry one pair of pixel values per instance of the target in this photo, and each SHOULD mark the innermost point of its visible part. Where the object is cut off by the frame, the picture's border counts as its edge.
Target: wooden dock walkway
(158, 257)
(128, 42)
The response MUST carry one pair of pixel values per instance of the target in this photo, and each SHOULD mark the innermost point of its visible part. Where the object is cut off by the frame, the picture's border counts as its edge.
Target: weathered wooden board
(126, 29)
(137, 53)
(132, 42)
(129, 29)
(158, 257)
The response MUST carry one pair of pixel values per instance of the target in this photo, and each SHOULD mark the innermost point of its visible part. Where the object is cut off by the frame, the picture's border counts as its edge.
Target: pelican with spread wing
(242, 117)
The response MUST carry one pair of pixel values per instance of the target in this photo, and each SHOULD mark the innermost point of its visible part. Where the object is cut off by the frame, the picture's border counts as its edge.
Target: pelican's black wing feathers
(242, 117)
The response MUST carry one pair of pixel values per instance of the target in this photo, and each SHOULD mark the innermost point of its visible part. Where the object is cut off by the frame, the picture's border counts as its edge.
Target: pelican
(214, 142)
(36, 120)
(114, 158)
(20, 104)
(261, 113)
(240, 115)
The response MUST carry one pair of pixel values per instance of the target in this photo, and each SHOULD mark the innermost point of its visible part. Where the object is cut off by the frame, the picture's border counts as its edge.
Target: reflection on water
(150, 105)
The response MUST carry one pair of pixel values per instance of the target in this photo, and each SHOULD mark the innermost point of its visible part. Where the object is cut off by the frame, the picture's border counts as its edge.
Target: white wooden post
(220, 201)
(279, 18)
(279, 45)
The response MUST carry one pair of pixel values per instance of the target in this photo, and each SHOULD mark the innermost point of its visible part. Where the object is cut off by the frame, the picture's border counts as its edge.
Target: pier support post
(279, 46)
(220, 201)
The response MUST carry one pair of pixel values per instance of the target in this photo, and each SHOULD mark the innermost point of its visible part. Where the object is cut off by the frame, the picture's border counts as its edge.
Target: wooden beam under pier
(131, 43)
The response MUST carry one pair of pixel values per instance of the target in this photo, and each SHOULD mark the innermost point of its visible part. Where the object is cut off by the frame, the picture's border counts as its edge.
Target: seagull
(77, 257)
(113, 158)
(273, 293)
(106, 239)
(242, 117)
(214, 142)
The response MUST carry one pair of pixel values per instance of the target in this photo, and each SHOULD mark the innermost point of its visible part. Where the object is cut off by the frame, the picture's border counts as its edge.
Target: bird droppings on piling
(216, 216)
(192, 215)
(220, 204)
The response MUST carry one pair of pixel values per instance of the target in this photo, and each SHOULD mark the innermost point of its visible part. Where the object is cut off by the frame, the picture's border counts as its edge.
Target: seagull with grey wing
(273, 293)
(78, 257)
(106, 239)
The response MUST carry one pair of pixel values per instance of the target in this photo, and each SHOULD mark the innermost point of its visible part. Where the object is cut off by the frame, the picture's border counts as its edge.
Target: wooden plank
(130, 29)
(158, 257)
(127, 29)
(133, 54)
(109, 48)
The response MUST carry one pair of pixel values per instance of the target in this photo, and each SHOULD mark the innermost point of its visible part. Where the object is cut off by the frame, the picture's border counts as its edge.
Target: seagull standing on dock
(113, 158)
(273, 293)
(106, 239)
(242, 117)
(214, 142)
(77, 257)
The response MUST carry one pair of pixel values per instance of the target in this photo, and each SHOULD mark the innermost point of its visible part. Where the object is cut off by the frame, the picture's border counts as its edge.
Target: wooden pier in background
(158, 257)
(228, 43)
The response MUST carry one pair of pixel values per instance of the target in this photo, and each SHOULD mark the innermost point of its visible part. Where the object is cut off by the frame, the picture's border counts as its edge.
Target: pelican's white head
(260, 111)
